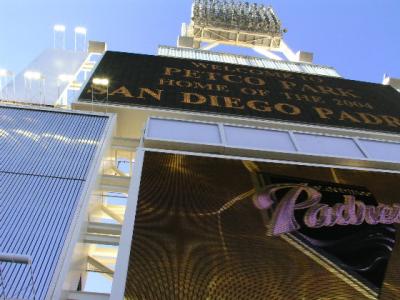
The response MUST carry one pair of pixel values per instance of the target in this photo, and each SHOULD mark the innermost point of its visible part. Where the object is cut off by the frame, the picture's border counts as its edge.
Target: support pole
(289, 54)
(210, 46)
(267, 53)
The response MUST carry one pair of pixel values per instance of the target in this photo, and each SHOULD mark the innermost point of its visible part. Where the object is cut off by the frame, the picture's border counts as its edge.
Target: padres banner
(214, 228)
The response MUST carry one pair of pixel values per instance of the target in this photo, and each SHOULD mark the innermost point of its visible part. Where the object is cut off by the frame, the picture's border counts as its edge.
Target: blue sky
(361, 38)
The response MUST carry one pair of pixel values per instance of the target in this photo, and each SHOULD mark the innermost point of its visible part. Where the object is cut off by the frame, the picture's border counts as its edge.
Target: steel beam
(74, 295)
(101, 267)
(112, 214)
(104, 228)
(125, 144)
(112, 240)
(113, 183)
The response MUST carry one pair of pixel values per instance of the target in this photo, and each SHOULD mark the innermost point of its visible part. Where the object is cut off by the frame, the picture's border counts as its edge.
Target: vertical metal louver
(44, 160)
(247, 61)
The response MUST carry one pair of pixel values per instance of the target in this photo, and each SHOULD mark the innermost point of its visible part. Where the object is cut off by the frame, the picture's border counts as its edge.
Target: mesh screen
(198, 235)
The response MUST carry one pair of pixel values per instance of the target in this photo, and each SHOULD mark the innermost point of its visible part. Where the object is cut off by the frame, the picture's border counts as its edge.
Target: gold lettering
(323, 113)
(263, 92)
(251, 91)
(199, 64)
(307, 87)
(199, 99)
(328, 90)
(391, 121)
(122, 91)
(214, 100)
(347, 93)
(194, 85)
(233, 102)
(222, 88)
(216, 67)
(212, 76)
(192, 74)
(164, 81)
(370, 119)
(254, 81)
(98, 90)
(229, 78)
(287, 85)
(248, 91)
(184, 84)
(346, 116)
(155, 94)
(259, 105)
(287, 95)
(169, 71)
(242, 70)
(300, 97)
(287, 109)
(207, 86)
(256, 71)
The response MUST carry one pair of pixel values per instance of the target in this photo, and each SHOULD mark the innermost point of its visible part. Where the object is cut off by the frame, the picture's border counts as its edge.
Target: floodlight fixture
(236, 15)
(59, 31)
(5, 76)
(30, 77)
(33, 75)
(80, 30)
(232, 22)
(59, 28)
(6, 73)
(100, 81)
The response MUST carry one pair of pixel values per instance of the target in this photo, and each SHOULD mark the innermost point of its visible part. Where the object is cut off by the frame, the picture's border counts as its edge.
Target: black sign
(211, 87)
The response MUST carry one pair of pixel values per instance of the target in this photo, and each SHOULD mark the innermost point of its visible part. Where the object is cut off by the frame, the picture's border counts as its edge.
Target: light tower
(237, 23)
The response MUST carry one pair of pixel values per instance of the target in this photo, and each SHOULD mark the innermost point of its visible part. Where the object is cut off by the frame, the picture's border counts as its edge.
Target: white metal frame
(265, 44)
(121, 268)
(120, 276)
(56, 290)
(78, 86)
(118, 287)
(270, 61)
(360, 163)
(188, 115)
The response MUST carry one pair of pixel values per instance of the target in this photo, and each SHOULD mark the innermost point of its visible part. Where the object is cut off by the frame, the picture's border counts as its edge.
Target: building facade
(50, 161)
(200, 175)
